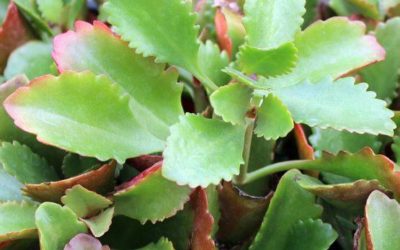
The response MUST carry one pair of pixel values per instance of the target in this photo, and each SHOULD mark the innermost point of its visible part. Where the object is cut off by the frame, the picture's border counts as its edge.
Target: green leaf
(333, 141)
(32, 59)
(264, 62)
(74, 165)
(52, 10)
(311, 235)
(219, 144)
(3, 10)
(396, 148)
(284, 213)
(162, 244)
(19, 161)
(84, 202)
(212, 61)
(367, 8)
(271, 23)
(382, 220)
(156, 95)
(57, 226)
(328, 55)
(311, 14)
(382, 77)
(17, 221)
(10, 188)
(273, 119)
(30, 12)
(339, 105)
(140, 198)
(100, 181)
(161, 28)
(49, 107)
(100, 223)
(232, 102)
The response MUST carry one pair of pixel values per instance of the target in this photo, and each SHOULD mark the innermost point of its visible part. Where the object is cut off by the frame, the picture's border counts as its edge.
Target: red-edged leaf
(100, 181)
(13, 33)
(305, 150)
(221, 27)
(203, 222)
(143, 162)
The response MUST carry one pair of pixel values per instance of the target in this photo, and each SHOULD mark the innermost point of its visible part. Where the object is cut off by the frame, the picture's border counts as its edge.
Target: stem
(246, 153)
(275, 168)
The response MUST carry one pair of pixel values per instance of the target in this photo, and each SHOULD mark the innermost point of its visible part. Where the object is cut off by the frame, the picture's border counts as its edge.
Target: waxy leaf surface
(30, 12)
(141, 198)
(282, 215)
(339, 105)
(100, 224)
(202, 151)
(155, 92)
(17, 221)
(212, 61)
(57, 225)
(382, 220)
(63, 111)
(10, 187)
(51, 10)
(341, 49)
(162, 244)
(273, 119)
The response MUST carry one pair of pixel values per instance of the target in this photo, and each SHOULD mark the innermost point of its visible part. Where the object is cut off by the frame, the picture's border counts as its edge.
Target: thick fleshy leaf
(100, 181)
(367, 8)
(271, 23)
(32, 59)
(162, 244)
(17, 221)
(341, 49)
(141, 197)
(212, 61)
(311, 235)
(13, 33)
(57, 226)
(232, 102)
(74, 165)
(305, 150)
(155, 92)
(161, 28)
(382, 220)
(85, 242)
(241, 214)
(84, 202)
(51, 9)
(382, 77)
(334, 141)
(19, 161)
(273, 119)
(203, 222)
(10, 187)
(279, 221)
(30, 12)
(100, 223)
(357, 191)
(339, 105)
(49, 107)
(219, 144)
(273, 62)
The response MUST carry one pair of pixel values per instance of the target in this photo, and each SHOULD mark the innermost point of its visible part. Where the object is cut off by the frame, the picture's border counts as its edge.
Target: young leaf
(17, 221)
(100, 223)
(85, 242)
(161, 28)
(84, 202)
(141, 197)
(13, 33)
(32, 59)
(219, 144)
(49, 107)
(273, 62)
(19, 161)
(339, 105)
(156, 95)
(271, 23)
(212, 61)
(283, 213)
(162, 244)
(52, 10)
(311, 234)
(57, 226)
(328, 55)
(382, 220)
(273, 119)
(232, 102)
(382, 77)
(100, 181)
